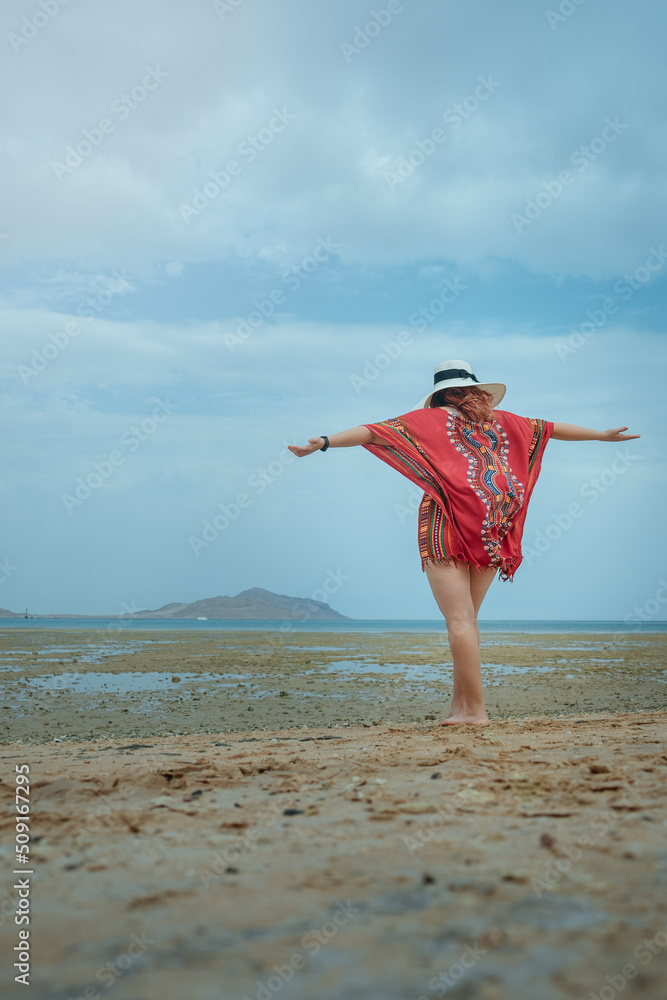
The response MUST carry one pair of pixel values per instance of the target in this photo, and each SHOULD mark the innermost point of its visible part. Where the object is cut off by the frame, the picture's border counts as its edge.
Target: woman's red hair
(474, 403)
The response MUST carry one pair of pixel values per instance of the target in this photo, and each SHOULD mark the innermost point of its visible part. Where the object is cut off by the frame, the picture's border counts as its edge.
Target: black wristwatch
(326, 442)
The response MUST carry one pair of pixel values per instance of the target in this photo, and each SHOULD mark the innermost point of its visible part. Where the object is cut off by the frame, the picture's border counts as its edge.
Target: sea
(117, 625)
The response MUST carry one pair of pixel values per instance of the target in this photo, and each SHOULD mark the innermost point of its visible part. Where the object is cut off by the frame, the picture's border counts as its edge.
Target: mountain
(254, 603)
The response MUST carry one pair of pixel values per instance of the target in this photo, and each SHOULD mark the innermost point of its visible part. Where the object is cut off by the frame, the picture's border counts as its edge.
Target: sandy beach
(335, 842)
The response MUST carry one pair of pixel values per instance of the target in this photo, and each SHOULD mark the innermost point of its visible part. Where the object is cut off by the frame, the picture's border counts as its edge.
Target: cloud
(553, 93)
(233, 416)
(206, 158)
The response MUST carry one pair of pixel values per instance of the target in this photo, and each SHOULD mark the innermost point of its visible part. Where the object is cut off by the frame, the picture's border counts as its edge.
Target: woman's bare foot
(466, 718)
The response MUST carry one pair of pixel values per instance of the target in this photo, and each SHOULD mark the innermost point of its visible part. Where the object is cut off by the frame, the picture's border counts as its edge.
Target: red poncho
(477, 478)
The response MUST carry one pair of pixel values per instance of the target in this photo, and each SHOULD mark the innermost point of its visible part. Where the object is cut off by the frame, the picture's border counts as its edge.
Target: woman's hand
(614, 434)
(572, 432)
(314, 444)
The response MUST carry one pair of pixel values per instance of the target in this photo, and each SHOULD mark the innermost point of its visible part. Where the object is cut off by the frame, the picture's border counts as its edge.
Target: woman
(477, 466)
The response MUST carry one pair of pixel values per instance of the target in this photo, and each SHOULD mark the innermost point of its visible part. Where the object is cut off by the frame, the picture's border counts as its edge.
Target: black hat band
(453, 373)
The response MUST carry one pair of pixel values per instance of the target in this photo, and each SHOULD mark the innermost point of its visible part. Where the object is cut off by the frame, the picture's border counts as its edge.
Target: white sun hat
(449, 374)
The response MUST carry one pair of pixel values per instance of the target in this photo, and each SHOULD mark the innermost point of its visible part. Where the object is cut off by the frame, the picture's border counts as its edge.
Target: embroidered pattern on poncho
(490, 477)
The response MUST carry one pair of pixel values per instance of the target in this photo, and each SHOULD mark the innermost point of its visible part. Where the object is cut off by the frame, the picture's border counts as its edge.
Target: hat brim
(497, 390)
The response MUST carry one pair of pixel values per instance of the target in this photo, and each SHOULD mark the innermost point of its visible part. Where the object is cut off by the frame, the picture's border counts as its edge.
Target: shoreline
(535, 626)
(67, 684)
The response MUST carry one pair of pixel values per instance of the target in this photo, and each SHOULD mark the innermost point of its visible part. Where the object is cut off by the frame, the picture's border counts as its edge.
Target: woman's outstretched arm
(571, 432)
(342, 439)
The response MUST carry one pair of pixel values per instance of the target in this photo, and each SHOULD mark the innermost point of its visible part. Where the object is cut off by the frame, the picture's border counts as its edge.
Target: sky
(230, 226)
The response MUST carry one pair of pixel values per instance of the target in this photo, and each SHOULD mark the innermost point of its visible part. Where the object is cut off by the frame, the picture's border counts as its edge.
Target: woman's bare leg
(480, 581)
(450, 583)
(459, 590)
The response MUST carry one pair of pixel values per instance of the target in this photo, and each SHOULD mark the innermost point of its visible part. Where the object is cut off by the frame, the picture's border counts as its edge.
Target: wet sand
(349, 859)
(69, 683)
